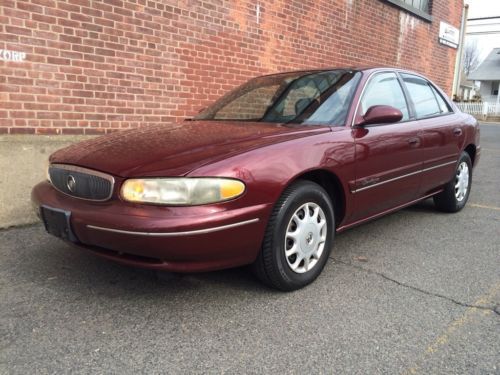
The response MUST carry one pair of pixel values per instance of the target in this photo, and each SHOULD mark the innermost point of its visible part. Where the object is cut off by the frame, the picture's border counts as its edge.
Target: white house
(467, 88)
(488, 73)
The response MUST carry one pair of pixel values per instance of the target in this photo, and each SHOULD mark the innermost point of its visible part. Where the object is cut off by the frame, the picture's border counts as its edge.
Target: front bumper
(178, 239)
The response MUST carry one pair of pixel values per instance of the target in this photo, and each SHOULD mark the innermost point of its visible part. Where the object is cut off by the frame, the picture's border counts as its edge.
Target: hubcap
(305, 237)
(462, 181)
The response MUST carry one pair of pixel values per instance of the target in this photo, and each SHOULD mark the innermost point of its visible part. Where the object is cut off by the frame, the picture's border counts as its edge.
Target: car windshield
(311, 98)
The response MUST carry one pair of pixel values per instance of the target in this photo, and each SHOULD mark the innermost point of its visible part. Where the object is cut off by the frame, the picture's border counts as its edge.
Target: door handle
(414, 142)
(457, 132)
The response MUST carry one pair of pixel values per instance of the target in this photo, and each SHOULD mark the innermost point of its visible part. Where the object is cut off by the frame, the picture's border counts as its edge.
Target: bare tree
(471, 57)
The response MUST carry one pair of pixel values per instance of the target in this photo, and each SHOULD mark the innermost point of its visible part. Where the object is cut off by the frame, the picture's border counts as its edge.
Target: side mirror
(380, 114)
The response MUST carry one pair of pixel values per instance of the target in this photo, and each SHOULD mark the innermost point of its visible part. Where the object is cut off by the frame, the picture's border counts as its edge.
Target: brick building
(90, 67)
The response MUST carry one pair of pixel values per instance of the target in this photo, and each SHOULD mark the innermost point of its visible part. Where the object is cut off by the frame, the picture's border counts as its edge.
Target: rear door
(441, 136)
(388, 156)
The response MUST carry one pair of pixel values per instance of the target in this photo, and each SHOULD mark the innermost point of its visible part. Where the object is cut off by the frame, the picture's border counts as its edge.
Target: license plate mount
(57, 222)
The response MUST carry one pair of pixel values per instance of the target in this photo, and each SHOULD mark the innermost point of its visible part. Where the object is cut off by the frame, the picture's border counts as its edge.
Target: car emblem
(71, 183)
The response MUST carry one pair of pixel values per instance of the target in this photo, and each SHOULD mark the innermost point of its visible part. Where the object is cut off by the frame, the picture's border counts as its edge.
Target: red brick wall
(97, 66)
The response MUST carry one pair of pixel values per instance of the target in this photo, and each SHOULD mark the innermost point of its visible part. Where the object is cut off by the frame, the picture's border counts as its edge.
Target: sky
(484, 8)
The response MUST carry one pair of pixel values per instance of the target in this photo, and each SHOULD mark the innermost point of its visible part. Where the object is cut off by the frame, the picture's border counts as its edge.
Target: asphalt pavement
(417, 291)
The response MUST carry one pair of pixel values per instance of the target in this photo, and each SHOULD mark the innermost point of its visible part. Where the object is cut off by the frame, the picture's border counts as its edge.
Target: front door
(388, 156)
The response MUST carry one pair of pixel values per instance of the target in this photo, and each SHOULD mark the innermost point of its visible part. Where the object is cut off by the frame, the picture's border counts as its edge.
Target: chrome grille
(81, 182)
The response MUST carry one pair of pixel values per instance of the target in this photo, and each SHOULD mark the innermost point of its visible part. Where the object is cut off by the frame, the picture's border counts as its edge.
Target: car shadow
(58, 265)
(54, 264)
(423, 206)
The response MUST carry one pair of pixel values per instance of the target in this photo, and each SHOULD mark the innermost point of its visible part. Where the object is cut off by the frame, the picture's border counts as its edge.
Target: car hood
(175, 149)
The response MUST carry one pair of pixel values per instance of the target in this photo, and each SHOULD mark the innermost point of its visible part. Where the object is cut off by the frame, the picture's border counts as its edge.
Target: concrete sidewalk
(23, 161)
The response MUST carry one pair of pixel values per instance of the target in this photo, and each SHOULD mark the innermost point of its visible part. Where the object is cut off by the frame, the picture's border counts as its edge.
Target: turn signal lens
(181, 191)
(133, 190)
(231, 188)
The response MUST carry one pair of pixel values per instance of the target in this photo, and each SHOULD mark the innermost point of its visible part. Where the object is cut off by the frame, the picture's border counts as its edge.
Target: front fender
(267, 171)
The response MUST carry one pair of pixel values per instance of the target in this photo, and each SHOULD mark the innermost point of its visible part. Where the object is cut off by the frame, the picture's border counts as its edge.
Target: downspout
(458, 60)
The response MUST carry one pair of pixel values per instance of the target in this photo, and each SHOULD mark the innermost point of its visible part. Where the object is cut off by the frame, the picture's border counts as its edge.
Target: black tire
(272, 266)
(447, 200)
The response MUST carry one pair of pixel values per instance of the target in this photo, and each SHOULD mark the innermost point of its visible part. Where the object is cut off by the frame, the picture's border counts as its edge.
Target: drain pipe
(458, 60)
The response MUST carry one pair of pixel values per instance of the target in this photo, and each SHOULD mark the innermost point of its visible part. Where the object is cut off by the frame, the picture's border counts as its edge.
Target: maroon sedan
(265, 176)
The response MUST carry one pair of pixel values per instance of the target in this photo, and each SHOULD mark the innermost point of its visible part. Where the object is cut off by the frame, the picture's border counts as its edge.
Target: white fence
(480, 109)
(489, 98)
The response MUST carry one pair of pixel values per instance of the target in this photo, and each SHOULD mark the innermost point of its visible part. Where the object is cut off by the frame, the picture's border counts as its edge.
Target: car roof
(366, 69)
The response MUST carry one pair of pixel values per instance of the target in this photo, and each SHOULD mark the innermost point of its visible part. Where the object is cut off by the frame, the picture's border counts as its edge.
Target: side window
(384, 89)
(422, 95)
(443, 106)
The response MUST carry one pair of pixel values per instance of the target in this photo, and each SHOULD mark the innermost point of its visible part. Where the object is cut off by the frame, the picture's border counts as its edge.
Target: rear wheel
(456, 193)
(298, 238)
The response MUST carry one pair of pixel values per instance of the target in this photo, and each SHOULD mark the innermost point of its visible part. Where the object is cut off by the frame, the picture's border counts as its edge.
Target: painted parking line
(470, 315)
(484, 206)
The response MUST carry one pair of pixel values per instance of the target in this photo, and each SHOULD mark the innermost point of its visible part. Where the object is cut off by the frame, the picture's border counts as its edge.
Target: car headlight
(181, 191)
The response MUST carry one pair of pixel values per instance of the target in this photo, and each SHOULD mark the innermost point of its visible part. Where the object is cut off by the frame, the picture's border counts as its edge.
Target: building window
(422, 5)
(420, 8)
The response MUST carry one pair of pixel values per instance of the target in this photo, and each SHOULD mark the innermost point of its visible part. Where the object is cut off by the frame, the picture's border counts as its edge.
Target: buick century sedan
(266, 176)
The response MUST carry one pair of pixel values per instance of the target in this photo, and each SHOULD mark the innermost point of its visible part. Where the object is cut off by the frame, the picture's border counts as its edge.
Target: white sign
(7, 55)
(448, 35)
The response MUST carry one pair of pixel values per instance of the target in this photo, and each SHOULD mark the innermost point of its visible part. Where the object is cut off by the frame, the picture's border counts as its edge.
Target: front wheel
(298, 238)
(456, 193)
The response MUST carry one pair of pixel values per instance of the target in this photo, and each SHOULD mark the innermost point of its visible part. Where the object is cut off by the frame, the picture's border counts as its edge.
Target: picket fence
(484, 109)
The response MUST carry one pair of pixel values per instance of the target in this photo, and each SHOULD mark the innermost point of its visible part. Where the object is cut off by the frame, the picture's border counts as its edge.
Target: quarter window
(384, 89)
(443, 106)
(425, 101)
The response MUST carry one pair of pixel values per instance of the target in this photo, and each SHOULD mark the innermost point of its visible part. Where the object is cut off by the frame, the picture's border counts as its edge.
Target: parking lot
(417, 291)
